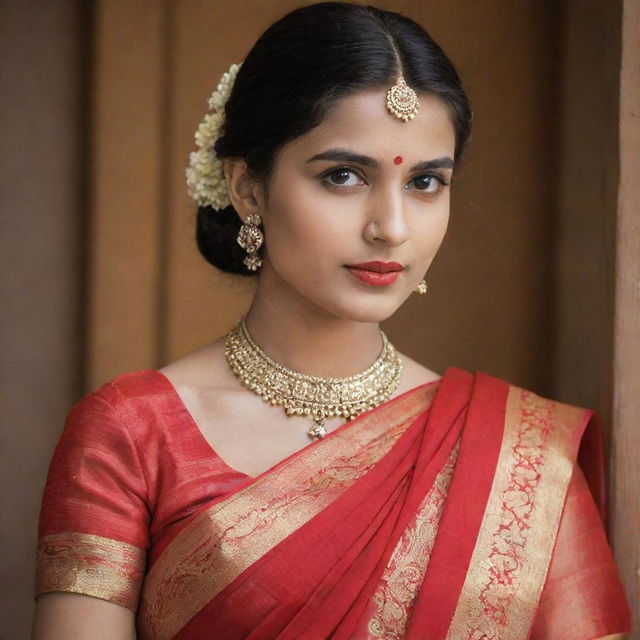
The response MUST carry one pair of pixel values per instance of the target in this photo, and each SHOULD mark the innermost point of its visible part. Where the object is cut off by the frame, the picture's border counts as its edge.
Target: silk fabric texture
(464, 508)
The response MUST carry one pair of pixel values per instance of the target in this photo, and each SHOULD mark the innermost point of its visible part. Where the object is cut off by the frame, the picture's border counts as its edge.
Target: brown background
(536, 282)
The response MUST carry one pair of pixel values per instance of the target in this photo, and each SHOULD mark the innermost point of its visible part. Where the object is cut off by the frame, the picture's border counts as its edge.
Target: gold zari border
(229, 537)
(398, 586)
(92, 565)
(516, 539)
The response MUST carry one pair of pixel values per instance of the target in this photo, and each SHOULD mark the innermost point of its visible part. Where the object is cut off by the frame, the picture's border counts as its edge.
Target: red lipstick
(376, 274)
(379, 267)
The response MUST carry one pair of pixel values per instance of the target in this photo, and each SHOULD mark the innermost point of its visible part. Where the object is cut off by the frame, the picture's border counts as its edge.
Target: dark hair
(299, 66)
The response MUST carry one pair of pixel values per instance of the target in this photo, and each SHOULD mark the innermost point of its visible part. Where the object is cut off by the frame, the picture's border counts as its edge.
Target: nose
(387, 219)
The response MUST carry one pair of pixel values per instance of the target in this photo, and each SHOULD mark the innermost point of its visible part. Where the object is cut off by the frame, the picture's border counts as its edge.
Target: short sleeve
(583, 597)
(94, 519)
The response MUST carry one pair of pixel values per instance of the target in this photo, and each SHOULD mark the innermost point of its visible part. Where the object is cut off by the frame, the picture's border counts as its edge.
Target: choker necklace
(314, 396)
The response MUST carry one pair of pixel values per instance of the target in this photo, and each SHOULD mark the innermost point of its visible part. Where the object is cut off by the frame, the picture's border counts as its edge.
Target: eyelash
(334, 187)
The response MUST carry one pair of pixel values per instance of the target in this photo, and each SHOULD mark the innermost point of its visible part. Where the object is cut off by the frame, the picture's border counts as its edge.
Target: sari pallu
(433, 516)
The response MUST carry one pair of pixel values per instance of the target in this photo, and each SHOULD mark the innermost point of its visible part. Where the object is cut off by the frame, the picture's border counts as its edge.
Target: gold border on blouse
(514, 546)
(230, 536)
(92, 565)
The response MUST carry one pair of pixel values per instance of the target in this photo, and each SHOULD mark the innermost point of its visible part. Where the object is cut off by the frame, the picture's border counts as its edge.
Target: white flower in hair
(205, 180)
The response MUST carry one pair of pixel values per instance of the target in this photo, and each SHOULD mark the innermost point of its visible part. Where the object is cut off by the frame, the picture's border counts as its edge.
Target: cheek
(432, 227)
(302, 225)
(292, 232)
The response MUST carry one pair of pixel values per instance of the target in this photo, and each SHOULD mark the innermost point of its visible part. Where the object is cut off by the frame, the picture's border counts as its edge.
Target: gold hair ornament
(313, 396)
(402, 100)
(205, 179)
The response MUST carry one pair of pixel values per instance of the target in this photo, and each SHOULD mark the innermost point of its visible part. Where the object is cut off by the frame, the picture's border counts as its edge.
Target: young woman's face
(362, 187)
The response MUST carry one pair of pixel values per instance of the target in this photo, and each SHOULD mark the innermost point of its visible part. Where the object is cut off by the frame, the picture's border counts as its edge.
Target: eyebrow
(345, 155)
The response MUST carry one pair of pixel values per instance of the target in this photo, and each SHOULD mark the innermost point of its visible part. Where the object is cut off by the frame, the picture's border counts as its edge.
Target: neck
(309, 340)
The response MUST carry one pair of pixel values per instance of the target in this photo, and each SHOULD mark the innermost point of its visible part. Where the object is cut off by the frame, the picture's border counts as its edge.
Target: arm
(93, 530)
(73, 616)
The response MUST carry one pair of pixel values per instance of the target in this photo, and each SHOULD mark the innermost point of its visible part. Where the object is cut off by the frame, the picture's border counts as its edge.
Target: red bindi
(398, 159)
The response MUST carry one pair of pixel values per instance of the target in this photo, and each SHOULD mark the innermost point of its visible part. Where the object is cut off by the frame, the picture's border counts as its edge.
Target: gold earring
(422, 288)
(250, 238)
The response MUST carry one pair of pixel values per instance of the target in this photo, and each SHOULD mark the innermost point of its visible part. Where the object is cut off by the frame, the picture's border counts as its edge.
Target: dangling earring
(422, 288)
(250, 238)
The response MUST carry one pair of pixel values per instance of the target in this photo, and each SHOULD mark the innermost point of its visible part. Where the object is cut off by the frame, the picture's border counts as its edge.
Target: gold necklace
(314, 396)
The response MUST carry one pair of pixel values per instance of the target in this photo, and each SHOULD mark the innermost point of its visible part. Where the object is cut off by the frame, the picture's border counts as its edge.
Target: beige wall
(523, 287)
(41, 220)
(587, 203)
(625, 438)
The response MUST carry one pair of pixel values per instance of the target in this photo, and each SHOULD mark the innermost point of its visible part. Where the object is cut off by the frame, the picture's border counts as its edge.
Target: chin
(368, 310)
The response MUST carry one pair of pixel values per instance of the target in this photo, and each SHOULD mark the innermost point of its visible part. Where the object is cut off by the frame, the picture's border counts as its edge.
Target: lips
(377, 266)
(376, 274)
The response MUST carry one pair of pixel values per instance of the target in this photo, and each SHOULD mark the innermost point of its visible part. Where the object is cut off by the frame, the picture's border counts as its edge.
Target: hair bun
(216, 234)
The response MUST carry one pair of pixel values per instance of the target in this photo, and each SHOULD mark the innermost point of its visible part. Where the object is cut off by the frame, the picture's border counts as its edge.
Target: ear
(245, 194)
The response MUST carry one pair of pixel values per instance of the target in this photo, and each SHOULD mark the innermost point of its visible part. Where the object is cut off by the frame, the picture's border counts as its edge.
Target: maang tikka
(402, 100)
(250, 238)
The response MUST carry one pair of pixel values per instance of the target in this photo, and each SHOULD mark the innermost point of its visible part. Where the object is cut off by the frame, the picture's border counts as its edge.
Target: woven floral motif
(516, 538)
(396, 592)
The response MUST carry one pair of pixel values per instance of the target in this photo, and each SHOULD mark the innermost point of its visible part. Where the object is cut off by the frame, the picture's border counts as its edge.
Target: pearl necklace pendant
(318, 431)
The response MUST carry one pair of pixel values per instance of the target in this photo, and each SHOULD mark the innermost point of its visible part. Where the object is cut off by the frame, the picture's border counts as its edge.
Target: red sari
(456, 510)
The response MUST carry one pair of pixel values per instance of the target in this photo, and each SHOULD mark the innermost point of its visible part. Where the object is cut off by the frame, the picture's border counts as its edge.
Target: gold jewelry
(314, 396)
(422, 288)
(402, 100)
(250, 238)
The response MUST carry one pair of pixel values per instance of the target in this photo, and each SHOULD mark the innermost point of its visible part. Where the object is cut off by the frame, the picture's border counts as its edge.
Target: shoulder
(205, 366)
(128, 388)
(415, 374)
(536, 427)
(152, 405)
(127, 407)
(517, 394)
(203, 376)
(520, 414)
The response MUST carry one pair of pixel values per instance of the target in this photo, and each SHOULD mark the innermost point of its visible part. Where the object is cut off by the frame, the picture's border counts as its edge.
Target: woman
(180, 503)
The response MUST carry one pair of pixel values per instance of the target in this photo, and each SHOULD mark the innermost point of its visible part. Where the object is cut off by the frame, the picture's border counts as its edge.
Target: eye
(342, 177)
(429, 183)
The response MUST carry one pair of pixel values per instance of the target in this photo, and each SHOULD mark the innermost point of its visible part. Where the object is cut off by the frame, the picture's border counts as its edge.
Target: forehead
(362, 122)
